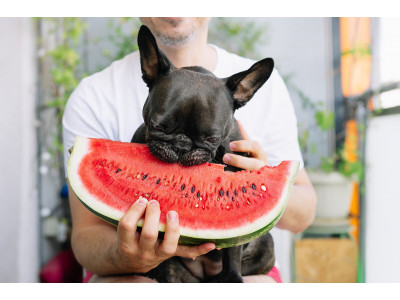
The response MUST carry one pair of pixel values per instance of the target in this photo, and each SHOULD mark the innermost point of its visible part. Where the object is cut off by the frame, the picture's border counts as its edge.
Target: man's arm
(105, 249)
(300, 210)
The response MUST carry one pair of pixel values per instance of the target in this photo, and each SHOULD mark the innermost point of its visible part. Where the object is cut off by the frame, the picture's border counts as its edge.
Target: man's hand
(300, 210)
(106, 250)
(144, 251)
(257, 159)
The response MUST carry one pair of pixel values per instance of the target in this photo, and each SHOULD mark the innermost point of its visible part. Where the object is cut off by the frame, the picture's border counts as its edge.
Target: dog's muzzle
(180, 151)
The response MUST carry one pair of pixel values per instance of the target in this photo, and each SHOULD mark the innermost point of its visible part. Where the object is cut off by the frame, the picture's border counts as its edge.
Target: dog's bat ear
(153, 61)
(245, 84)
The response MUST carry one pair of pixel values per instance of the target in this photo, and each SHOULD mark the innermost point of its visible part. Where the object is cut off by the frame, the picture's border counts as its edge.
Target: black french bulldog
(188, 119)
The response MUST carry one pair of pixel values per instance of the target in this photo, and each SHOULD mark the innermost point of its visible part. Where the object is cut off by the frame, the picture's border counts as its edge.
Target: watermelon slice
(225, 208)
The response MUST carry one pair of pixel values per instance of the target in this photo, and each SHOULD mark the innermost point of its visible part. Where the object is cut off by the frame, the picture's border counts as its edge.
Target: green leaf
(325, 119)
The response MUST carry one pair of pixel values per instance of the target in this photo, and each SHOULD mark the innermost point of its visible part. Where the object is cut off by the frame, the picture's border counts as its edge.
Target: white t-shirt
(109, 104)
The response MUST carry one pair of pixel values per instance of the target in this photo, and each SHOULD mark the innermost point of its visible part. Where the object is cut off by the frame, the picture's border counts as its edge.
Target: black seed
(235, 192)
(183, 187)
(186, 195)
(233, 199)
(119, 170)
(243, 190)
(193, 189)
(221, 193)
(144, 177)
(253, 186)
(158, 181)
(198, 194)
(227, 193)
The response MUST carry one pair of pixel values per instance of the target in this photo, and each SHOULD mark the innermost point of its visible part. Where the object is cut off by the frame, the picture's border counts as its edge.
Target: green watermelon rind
(224, 242)
(192, 241)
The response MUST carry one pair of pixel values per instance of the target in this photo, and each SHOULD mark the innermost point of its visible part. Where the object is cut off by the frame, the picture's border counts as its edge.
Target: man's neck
(195, 53)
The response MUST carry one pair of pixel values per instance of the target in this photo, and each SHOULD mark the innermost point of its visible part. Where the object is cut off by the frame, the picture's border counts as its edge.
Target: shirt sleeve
(81, 118)
(281, 133)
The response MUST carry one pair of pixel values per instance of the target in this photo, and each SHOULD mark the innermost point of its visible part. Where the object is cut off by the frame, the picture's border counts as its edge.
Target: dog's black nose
(182, 143)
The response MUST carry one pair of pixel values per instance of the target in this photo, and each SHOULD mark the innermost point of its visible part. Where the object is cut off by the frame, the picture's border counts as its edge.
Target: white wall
(382, 235)
(18, 204)
(382, 207)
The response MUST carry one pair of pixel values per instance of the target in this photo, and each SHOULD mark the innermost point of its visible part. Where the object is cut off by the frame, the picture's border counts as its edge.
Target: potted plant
(334, 177)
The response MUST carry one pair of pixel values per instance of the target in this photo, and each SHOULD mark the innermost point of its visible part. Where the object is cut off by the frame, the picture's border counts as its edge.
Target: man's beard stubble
(174, 40)
(171, 39)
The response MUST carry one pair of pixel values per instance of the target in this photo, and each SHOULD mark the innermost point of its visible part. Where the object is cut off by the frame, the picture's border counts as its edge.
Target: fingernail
(142, 201)
(153, 202)
(226, 158)
(172, 215)
(232, 146)
(210, 247)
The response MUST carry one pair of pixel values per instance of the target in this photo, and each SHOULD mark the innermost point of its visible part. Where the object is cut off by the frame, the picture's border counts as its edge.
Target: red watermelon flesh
(213, 205)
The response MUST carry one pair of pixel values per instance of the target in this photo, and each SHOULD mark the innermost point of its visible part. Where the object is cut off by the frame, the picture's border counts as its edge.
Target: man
(109, 104)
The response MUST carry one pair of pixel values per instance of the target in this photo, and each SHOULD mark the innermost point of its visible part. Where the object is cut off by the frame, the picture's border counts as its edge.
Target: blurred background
(343, 75)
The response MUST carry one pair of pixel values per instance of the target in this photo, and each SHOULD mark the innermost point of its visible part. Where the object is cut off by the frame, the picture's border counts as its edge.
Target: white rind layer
(81, 148)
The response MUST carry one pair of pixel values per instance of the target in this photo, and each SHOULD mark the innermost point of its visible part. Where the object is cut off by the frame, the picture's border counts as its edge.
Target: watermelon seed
(182, 187)
(138, 176)
(243, 190)
(201, 198)
(193, 189)
(221, 193)
(119, 170)
(198, 194)
(263, 188)
(253, 186)
(227, 207)
(233, 199)
(248, 202)
(227, 193)
(235, 192)
(144, 177)
(158, 181)
(197, 205)
(186, 195)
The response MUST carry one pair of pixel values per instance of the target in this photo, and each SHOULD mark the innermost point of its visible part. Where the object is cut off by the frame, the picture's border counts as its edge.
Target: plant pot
(334, 194)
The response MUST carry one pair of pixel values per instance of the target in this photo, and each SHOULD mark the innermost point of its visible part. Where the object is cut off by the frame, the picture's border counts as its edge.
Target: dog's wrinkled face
(189, 119)
(189, 112)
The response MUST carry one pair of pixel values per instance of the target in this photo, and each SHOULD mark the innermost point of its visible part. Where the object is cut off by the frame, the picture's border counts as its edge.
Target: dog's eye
(211, 139)
(156, 127)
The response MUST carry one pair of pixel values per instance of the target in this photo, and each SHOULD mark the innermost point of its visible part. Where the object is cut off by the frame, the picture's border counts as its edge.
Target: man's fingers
(253, 147)
(168, 246)
(128, 224)
(194, 251)
(149, 234)
(239, 161)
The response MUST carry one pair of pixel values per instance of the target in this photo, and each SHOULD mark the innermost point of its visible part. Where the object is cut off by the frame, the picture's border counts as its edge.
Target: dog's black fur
(188, 118)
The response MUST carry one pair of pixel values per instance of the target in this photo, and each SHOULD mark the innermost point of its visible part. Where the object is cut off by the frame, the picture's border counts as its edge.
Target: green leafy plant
(324, 121)
(61, 70)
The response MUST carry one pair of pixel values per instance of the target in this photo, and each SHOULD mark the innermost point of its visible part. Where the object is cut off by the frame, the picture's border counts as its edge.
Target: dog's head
(189, 112)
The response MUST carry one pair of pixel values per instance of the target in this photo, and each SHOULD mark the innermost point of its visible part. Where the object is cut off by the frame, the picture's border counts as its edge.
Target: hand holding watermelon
(258, 157)
(143, 251)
